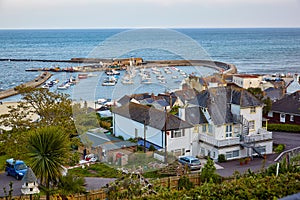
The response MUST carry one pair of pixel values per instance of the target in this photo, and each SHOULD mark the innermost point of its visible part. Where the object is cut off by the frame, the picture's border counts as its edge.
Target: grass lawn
(96, 170)
(2, 162)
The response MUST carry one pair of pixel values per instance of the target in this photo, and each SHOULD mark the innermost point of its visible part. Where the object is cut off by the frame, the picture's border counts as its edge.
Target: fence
(170, 182)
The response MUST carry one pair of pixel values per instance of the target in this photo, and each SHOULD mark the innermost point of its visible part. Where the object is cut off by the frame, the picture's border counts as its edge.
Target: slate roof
(274, 93)
(194, 115)
(98, 138)
(118, 145)
(218, 102)
(288, 104)
(186, 94)
(29, 177)
(124, 100)
(151, 116)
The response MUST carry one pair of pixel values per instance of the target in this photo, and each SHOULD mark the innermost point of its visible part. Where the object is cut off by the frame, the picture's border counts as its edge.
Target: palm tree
(48, 150)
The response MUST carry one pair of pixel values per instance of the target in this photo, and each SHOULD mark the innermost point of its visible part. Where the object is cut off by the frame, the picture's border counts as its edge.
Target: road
(291, 140)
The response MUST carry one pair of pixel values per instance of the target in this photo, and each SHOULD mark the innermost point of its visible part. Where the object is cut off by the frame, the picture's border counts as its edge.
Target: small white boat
(109, 81)
(92, 75)
(174, 77)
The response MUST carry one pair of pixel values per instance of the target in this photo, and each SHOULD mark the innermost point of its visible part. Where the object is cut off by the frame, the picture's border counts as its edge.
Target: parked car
(192, 162)
(15, 168)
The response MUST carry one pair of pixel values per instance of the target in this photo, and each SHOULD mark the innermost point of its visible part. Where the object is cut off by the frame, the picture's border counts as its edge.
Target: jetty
(43, 77)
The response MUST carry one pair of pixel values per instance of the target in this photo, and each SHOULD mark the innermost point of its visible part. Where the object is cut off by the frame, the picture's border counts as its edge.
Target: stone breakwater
(43, 77)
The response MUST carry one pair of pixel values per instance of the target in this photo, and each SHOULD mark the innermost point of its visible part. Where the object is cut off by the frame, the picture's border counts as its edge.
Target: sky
(40, 14)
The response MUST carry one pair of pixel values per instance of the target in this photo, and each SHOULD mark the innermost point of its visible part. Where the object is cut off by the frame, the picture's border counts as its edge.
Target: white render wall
(257, 117)
(247, 82)
(127, 129)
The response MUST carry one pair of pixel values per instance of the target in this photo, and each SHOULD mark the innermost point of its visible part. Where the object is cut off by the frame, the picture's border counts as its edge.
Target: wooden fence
(170, 182)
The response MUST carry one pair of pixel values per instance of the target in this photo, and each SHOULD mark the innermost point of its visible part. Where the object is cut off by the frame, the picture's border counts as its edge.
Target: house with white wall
(155, 126)
(247, 80)
(227, 120)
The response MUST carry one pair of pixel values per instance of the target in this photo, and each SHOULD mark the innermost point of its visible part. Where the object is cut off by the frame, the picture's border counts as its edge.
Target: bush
(280, 148)
(185, 183)
(221, 158)
(152, 148)
(284, 128)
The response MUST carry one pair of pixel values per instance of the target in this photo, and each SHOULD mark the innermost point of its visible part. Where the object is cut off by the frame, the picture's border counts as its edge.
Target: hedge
(284, 128)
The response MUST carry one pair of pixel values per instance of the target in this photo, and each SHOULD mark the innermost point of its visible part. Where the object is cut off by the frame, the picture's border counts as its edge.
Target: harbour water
(251, 50)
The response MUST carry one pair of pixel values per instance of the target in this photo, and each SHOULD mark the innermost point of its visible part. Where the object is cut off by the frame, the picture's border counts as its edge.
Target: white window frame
(291, 118)
(177, 133)
(282, 117)
(228, 131)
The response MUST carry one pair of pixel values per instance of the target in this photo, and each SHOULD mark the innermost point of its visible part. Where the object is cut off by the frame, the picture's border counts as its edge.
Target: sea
(252, 50)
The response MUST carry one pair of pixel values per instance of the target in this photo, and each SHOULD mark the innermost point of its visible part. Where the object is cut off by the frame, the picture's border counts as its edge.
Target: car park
(192, 162)
(15, 168)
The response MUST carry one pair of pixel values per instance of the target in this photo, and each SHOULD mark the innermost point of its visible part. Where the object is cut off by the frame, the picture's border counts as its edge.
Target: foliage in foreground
(251, 187)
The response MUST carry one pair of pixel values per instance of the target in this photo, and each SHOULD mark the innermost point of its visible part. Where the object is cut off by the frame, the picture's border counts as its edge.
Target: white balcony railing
(262, 134)
(219, 143)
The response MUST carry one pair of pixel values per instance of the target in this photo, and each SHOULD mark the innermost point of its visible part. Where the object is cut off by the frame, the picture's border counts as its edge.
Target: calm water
(251, 50)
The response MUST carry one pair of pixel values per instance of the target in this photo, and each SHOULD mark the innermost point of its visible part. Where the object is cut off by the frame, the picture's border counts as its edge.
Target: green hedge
(284, 128)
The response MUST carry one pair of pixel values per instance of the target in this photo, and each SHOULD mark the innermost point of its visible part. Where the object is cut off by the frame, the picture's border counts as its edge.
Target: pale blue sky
(148, 13)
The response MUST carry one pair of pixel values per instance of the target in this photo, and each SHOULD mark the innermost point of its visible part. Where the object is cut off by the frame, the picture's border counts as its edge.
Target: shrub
(221, 158)
(284, 128)
(152, 148)
(185, 183)
(280, 148)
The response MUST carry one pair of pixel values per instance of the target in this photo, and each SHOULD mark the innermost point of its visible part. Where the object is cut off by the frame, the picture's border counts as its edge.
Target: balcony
(219, 143)
(262, 135)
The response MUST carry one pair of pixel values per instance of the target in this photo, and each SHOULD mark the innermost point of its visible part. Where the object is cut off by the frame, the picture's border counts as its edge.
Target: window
(252, 110)
(177, 133)
(232, 154)
(252, 125)
(210, 128)
(292, 118)
(228, 131)
(270, 114)
(204, 128)
(282, 117)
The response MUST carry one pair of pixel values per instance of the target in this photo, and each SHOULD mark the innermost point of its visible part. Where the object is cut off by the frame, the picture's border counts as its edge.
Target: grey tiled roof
(218, 102)
(29, 177)
(194, 115)
(151, 116)
(288, 104)
(97, 138)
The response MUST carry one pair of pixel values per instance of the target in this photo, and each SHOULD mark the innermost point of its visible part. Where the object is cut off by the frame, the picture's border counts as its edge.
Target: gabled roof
(151, 117)
(185, 95)
(218, 102)
(274, 93)
(124, 100)
(288, 104)
(29, 177)
(194, 115)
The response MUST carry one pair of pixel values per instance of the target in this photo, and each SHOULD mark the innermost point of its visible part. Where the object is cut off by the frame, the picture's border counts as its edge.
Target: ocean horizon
(251, 50)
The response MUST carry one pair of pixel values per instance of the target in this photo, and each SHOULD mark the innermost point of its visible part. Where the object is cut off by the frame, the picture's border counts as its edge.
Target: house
(294, 85)
(227, 120)
(247, 80)
(274, 93)
(155, 126)
(286, 110)
(203, 83)
(104, 146)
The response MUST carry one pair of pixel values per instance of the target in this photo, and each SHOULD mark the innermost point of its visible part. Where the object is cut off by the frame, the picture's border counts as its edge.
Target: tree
(52, 109)
(208, 172)
(48, 150)
(70, 184)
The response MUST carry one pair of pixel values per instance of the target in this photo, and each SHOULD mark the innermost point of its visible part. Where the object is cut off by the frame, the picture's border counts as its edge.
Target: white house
(157, 127)
(247, 80)
(294, 85)
(227, 120)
